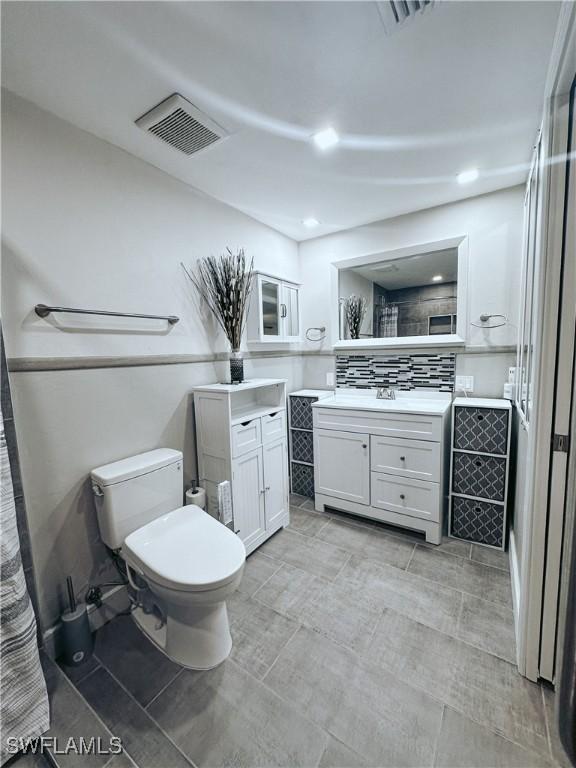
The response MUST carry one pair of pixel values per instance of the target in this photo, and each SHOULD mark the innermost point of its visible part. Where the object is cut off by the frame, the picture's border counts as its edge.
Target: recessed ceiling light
(437, 278)
(466, 177)
(326, 138)
(310, 222)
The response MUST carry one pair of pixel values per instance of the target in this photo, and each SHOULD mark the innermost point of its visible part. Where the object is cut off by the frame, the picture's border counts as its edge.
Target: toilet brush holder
(77, 640)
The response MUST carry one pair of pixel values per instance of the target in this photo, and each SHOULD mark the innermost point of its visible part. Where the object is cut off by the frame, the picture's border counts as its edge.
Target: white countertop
(245, 385)
(425, 403)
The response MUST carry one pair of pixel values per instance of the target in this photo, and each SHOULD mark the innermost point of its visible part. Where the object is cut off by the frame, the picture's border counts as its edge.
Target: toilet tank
(134, 491)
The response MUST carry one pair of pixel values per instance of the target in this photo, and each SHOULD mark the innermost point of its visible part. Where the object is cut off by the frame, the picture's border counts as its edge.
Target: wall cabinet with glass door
(274, 314)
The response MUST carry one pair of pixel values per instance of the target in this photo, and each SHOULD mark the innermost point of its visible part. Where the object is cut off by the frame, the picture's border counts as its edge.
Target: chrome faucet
(385, 394)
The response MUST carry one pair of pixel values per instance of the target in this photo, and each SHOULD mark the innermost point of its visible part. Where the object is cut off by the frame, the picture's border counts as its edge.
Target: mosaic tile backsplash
(407, 372)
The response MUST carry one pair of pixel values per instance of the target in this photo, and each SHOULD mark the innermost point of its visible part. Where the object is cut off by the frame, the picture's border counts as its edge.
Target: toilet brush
(77, 642)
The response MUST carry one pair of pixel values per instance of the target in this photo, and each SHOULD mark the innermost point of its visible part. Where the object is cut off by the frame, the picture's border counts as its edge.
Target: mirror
(394, 298)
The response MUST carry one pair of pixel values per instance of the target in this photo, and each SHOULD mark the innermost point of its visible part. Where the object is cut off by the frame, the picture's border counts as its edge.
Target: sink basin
(434, 403)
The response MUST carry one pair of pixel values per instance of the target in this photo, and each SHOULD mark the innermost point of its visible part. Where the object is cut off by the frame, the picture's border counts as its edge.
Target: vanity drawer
(415, 498)
(246, 436)
(273, 426)
(480, 476)
(417, 459)
(415, 426)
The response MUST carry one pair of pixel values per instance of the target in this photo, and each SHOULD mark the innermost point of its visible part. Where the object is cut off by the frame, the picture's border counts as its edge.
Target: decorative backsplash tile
(408, 372)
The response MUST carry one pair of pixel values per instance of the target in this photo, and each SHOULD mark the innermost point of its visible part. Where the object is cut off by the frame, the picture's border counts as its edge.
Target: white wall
(87, 225)
(493, 224)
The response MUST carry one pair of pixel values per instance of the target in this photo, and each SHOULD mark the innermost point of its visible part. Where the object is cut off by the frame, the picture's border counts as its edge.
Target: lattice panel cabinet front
(480, 470)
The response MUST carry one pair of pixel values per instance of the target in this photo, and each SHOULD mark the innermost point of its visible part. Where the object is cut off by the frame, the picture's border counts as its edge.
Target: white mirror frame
(441, 340)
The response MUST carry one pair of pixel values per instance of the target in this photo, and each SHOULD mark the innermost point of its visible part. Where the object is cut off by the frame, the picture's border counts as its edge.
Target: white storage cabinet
(274, 314)
(242, 437)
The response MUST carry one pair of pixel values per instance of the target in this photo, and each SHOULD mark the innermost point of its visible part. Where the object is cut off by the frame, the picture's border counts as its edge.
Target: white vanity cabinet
(242, 437)
(384, 459)
(274, 314)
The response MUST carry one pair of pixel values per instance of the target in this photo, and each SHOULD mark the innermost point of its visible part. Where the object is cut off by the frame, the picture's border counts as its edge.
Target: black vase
(236, 368)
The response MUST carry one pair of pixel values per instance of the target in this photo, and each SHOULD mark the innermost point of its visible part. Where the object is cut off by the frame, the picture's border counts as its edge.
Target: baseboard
(114, 601)
(515, 579)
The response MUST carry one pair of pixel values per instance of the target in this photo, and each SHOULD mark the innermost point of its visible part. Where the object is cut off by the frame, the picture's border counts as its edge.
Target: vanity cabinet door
(275, 482)
(342, 467)
(248, 496)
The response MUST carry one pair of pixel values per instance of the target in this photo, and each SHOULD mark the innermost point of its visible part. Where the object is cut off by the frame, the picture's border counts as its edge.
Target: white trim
(561, 73)
(442, 340)
(515, 579)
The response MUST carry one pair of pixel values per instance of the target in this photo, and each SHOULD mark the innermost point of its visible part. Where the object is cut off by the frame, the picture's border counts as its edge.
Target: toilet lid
(186, 549)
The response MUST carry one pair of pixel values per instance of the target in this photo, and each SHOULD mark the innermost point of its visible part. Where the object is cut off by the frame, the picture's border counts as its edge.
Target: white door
(248, 497)
(342, 466)
(275, 483)
(290, 312)
(270, 300)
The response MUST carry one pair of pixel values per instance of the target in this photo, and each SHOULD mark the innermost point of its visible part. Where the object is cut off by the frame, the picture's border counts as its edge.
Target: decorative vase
(236, 367)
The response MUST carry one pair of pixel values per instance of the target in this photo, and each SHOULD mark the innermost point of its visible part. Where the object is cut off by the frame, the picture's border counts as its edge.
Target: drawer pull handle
(402, 496)
(272, 415)
(478, 463)
(245, 423)
(364, 445)
(402, 458)
(477, 509)
(479, 417)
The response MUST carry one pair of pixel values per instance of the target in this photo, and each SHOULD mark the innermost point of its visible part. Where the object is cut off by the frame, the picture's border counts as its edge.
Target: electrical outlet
(465, 383)
(330, 379)
(511, 374)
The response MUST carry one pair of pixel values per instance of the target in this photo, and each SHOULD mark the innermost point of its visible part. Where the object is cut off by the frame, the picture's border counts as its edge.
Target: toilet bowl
(190, 564)
(181, 562)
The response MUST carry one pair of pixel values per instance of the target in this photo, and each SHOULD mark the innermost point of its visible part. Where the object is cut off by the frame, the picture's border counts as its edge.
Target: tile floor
(354, 645)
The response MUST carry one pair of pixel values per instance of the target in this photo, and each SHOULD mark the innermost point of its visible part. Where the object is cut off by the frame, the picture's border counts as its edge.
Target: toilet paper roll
(197, 497)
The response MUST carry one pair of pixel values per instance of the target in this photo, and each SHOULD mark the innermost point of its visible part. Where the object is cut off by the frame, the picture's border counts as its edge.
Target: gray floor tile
(489, 626)
(308, 504)
(475, 578)
(418, 655)
(491, 691)
(306, 521)
(296, 500)
(487, 689)
(29, 760)
(346, 616)
(257, 570)
(133, 659)
(451, 547)
(338, 755)
(224, 717)
(367, 543)
(141, 737)
(424, 601)
(310, 554)
(258, 634)
(465, 744)
(71, 717)
(76, 674)
(366, 708)
(493, 557)
(558, 753)
(121, 761)
(289, 590)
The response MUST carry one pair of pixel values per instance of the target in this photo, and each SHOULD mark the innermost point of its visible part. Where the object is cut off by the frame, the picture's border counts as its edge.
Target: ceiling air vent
(395, 12)
(180, 124)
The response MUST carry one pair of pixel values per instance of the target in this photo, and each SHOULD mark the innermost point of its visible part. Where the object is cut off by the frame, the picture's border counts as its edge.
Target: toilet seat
(186, 550)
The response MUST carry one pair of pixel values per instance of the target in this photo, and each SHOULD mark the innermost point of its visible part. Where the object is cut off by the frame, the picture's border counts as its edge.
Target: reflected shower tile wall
(406, 372)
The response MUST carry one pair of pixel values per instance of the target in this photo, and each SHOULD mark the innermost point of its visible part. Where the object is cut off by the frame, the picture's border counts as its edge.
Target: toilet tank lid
(134, 466)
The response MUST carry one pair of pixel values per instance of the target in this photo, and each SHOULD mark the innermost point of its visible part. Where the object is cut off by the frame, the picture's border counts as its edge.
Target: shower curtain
(24, 711)
(390, 321)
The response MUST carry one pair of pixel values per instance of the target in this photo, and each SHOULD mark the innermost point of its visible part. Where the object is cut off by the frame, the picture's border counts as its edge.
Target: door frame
(547, 292)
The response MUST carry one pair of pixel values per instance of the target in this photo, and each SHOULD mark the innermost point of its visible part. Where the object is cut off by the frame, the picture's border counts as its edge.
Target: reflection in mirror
(411, 296)
(270, 314)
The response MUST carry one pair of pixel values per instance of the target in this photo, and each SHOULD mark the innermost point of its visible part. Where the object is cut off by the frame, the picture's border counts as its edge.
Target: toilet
(182, 563)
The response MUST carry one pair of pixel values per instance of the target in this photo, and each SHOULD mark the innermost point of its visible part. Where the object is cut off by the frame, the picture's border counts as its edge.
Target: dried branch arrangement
(354, 310)
(224, 282)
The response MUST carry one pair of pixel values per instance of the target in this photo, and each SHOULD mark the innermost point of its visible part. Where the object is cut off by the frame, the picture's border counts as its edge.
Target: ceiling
(458, 87)
(411, 271)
